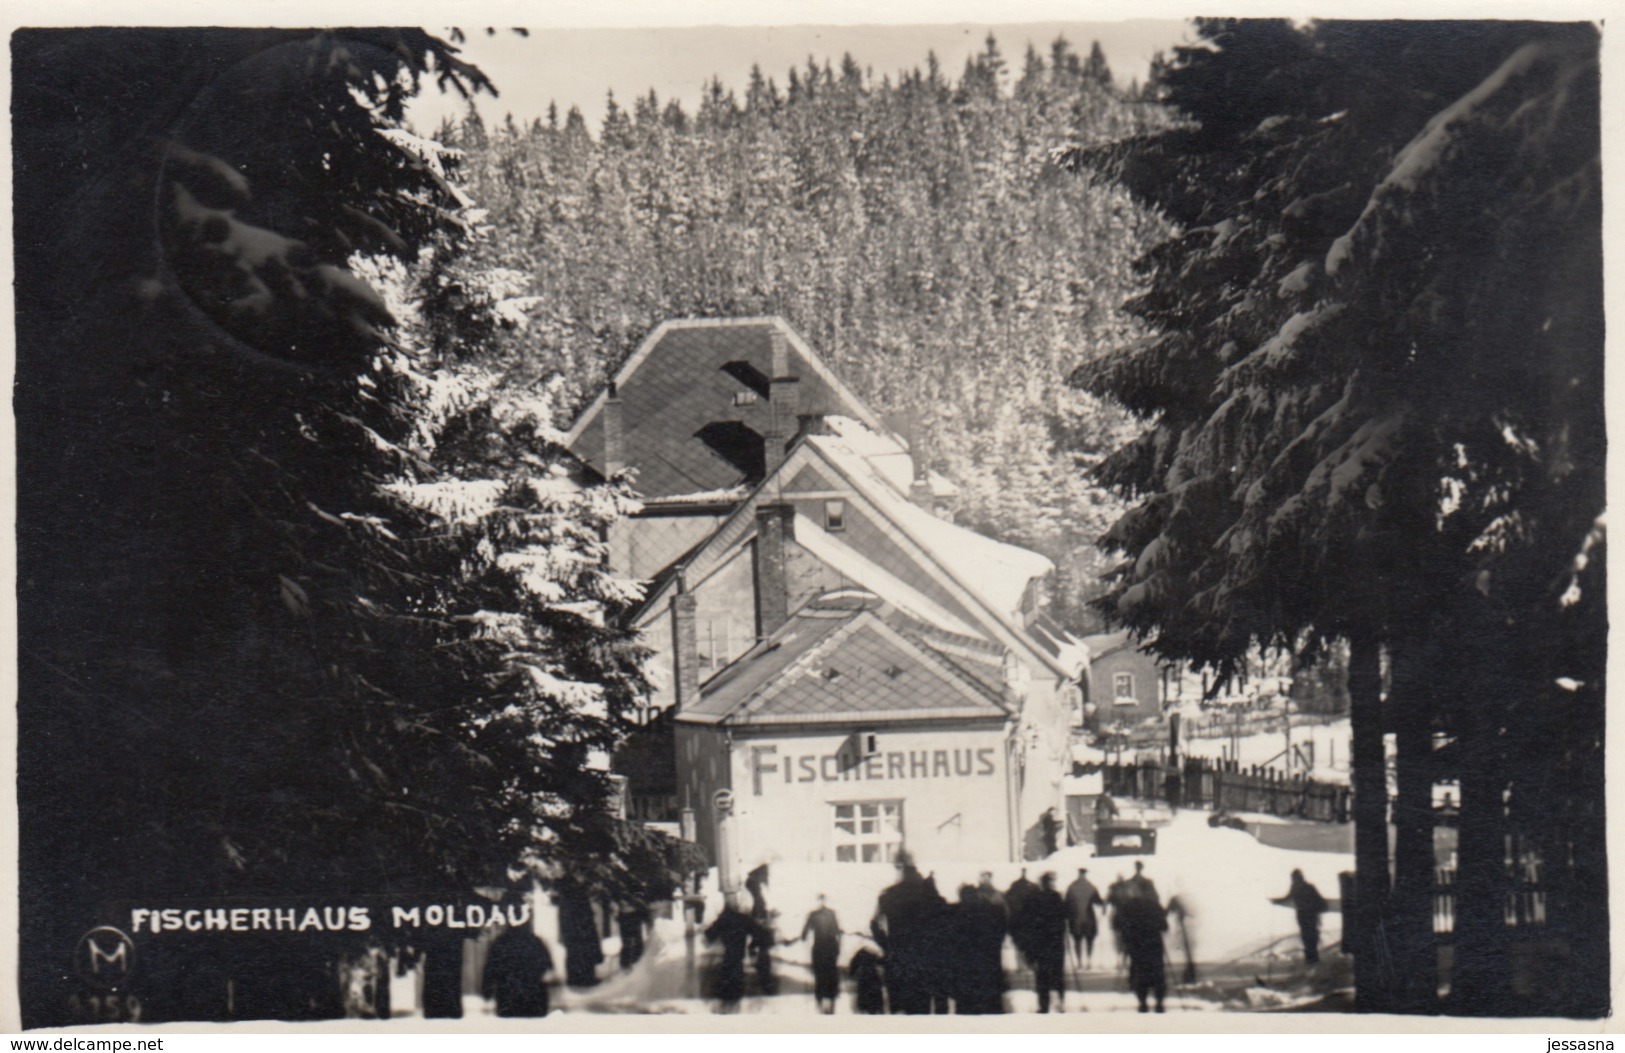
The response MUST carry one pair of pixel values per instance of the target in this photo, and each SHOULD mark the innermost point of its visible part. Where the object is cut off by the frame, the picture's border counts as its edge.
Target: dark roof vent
(750, 376)
(738, 444)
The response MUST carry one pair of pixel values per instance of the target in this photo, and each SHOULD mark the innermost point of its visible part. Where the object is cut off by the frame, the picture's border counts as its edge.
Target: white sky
(577, 66)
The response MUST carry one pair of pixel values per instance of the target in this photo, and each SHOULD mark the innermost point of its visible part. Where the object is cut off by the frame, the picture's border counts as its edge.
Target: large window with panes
(868, 831)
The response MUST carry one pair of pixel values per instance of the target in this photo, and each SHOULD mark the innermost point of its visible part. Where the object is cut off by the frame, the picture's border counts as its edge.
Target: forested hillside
(913, 226)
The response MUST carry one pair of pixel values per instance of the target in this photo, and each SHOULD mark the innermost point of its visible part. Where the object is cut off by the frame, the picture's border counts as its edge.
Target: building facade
(855, 671)
(1124, 684)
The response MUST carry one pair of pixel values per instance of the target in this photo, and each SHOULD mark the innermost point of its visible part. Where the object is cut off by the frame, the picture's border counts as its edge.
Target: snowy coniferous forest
(310, 595)
(915, 226)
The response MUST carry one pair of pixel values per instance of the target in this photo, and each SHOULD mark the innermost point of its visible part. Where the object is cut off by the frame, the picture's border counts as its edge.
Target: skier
(516, 973)
(902, 921)
(977, 941)
(1018, 892)
(1082, 900)
(1014, 900)
(1310, 905)
(633, 921)
(1141, 921)
(936, 937)
(868, 988)
(992, 895)
(578, 931)
(1050, 831)
(756, 884)
(825, 930)
(734, 929)
(1042, 922)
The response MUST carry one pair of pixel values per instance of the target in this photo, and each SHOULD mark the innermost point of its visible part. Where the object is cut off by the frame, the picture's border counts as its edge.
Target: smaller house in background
(1124, 684)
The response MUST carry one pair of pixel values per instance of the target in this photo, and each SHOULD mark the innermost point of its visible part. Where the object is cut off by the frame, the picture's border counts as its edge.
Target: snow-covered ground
(1321, 750)
(1224, 878)
(1246, 948)
(1328, 744)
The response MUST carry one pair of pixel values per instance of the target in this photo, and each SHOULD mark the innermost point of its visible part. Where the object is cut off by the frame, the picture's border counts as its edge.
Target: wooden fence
(1225, 786)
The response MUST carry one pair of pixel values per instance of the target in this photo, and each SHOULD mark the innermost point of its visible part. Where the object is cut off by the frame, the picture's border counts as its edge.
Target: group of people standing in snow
(923, 954)
(920, 954)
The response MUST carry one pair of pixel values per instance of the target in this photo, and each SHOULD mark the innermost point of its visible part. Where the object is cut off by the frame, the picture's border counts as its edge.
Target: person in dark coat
(695, 900)
(868, 984)
(903, 921)
(825, 929)
(935, 941)
(763, 939)
(633, 920)
(516, 973)
(1140, 920)
(1310, 905)
(1082, 900)
(1114, 901)
(992, 895)
(735, 930)
(1050, 831)
(1043, 924)
(442, 975)
(756, 885)
(578, 931)
(1014, 901)
(976, 947)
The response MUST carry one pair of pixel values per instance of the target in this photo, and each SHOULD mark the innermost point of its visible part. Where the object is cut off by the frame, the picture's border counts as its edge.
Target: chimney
(614, 435)
(783, 404)
(685, 650)
(773, 529)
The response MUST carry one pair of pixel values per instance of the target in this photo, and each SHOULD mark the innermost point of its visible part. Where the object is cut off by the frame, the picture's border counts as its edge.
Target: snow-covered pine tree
(253, 668)
(1346, 438)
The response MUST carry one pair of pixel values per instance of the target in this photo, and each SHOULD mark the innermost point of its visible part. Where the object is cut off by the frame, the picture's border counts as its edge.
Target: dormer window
(834, 515)
(745, 398)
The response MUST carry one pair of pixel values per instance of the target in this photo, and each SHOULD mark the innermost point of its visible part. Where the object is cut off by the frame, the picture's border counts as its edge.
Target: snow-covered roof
(1070, 651)
(988, 577)
(725, 496)
(885, 456)
(882, 469)
(1100, 645)
(850, 564)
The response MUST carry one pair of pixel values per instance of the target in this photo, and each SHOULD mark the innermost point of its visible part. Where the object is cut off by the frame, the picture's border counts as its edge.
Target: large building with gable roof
(859, 672)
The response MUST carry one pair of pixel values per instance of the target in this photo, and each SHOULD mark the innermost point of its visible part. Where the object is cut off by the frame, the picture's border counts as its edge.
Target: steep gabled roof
(998, 572)
(985, 577)
(682, 430)
(844, 657)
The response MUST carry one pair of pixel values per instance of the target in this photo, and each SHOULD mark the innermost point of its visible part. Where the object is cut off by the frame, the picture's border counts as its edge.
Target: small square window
(835, 515)
(1123, 687)
(868, 831)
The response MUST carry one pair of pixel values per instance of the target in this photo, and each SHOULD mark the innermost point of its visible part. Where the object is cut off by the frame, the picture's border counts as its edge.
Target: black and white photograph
(1065, 513)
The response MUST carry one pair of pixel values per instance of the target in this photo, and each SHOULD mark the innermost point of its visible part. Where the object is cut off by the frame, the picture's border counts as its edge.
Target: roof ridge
(865, 413)
(866, 489)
